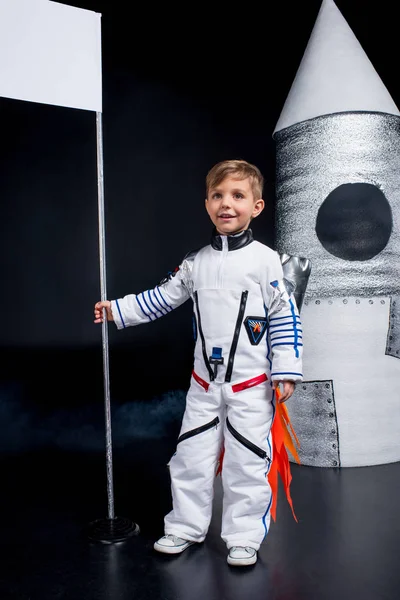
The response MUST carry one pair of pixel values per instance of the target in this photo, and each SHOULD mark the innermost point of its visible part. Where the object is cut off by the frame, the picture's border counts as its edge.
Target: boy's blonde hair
(239, 169)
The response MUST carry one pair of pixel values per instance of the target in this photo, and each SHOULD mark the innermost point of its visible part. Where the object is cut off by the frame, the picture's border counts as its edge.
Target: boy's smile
(231, 205)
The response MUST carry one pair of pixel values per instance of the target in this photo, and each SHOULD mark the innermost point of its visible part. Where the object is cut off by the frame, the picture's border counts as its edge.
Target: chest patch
(255, 327)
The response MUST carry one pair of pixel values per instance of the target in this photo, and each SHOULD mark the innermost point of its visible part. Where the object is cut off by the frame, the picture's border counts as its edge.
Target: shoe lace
(175, 539)
(248, 549)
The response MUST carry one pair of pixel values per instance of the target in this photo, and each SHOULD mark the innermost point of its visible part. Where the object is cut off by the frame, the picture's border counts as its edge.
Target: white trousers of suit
(241, 422)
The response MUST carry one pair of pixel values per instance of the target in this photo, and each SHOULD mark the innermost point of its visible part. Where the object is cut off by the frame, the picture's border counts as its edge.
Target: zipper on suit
(203, 341)
(197, 430)
(224, 254)
(247, 443)
(236, 334)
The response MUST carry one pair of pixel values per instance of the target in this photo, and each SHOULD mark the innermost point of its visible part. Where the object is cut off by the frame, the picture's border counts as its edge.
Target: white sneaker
(240, 556)
(171, 544)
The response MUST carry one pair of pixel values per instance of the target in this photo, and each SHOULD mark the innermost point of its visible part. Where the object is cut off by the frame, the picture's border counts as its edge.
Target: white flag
(50, 53)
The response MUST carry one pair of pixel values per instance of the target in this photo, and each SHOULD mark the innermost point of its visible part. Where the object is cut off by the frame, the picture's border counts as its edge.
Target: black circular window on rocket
(354, 222)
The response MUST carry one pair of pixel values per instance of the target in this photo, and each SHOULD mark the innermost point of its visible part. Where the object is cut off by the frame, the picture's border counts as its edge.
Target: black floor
(346, 544)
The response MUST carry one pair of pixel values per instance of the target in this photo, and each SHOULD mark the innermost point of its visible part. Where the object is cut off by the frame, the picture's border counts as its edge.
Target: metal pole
(111, 529)
(104, 331)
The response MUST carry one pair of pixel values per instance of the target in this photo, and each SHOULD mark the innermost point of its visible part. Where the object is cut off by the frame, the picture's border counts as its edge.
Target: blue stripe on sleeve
(145, 301)
(287, 324)
(266, 337)
(282, 337)
(295, 329)
(284, 330)
(286, 373)
(120, 313)
(154, 306)
(161, 309)
(295, 344)
(143, 311)
(292, 316)
(162, 298)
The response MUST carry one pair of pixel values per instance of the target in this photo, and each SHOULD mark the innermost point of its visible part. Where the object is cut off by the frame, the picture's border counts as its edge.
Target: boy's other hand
(288, 389)
(98, 311)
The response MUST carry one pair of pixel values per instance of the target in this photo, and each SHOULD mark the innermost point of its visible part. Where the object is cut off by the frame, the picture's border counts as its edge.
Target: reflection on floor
(346, 544)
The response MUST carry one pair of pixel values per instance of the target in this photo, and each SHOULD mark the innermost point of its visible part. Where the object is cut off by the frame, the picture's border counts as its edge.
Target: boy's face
(231, 205)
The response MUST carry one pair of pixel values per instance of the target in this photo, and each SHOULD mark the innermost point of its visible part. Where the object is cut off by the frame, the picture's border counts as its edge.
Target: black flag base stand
(111, 531)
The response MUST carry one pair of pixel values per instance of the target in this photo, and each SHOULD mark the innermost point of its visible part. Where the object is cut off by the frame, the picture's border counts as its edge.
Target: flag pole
(111, 529)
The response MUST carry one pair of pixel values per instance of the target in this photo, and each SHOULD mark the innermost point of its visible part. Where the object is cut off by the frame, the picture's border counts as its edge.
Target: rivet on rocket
(338, 204)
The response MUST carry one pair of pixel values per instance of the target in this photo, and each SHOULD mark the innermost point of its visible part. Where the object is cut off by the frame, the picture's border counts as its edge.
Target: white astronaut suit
(248, 333)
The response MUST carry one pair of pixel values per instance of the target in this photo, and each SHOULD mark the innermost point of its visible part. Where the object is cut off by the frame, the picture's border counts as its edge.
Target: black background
(183, 88)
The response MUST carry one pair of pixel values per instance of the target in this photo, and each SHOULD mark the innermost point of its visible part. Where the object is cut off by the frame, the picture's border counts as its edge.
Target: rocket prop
(338, 203)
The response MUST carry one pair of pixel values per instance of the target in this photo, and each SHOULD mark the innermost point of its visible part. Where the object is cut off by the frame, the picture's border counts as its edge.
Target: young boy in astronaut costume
(248, 341)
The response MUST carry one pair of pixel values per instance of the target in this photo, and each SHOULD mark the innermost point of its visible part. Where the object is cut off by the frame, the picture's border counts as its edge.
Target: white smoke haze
(83, 428)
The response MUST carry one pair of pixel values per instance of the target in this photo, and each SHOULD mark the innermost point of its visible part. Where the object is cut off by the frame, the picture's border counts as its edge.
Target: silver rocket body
(338, 204)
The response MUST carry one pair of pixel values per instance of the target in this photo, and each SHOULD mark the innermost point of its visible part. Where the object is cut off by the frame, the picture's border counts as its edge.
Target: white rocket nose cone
(335, 75)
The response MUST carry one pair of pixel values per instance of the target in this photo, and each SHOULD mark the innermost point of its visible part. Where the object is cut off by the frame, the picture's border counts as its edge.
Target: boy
(248, 340)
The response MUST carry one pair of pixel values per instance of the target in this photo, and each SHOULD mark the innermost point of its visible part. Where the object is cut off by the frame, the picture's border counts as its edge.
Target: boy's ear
(258, 207)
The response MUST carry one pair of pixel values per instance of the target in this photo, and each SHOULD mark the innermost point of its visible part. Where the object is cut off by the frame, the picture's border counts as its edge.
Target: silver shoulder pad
(296, 271)
(187, 268)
